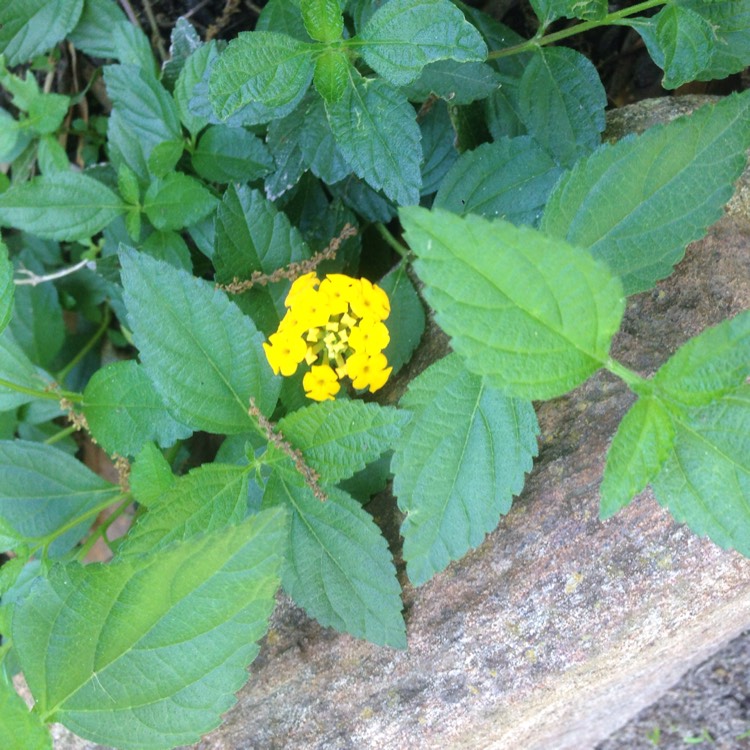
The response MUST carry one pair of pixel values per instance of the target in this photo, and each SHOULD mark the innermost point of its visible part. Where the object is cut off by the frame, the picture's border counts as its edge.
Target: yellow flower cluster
(336, 327)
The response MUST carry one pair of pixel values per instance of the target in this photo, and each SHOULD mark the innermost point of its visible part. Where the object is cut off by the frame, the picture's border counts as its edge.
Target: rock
(557, 629)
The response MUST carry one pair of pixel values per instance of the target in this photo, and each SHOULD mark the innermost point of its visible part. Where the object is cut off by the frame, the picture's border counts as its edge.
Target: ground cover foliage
(146, 258)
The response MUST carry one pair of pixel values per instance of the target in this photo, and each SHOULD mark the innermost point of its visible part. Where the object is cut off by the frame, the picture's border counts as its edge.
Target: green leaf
(224, 154)
(183, 41)
(132, 46)
(458, 465)
(666, 193)
(510, 178)
(63, 206)
(318, 146)
(323, 20)
(177, 201)
(331, 75)
(705, 481)
(679, 41)
(266, 67)
(46, 495)
(533, 314)
(164, 157)
(195, 610)
(124, 411)
(639, 449)
(438, 147)
(406, 322)
(30, 27)
(16, 368)
(7, 287)
(208, 498)
(403, 36)
(710, 365)
(150, 476)
(338, 438)
(376, 131)
(550, 10)
(190, 76)
(19, 728)
(170, 247)
(337, 564)
(561, 103)
(202, 354)
(93, 34)
(252, 235)
(284, 16)
(456, 82)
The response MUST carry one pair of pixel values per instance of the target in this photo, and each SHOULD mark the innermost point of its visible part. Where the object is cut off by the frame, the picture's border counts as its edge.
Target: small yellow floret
(284, 352)
(372, 302)
(370, 336)
(321, 383)
(366, 371)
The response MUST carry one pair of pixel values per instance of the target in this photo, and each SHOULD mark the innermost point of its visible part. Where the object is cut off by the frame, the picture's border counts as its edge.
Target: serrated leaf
(177, 201)
(211, 497)
(318, 146)
(456, 82)
(376, 131)
(705, 481)
(337, 564)
(438, 147)
(252, 235)
(164, 157)
(323, 20)
(338, 438)
(679, 41)
(224, 154)
(183, 41)
(550, 10)
(7, 287)
(191, 75)
(639, 449)
(561, 103)
(266, 67)
(132, 46)
(43, 491)
(406, 322)
(710, 365)
(331, 74)
(150, 476)
(459, 463)
(510, 178)
(63, 206)
(284, 16)
(124, 411)
(93, 33)
(403, 36)
(201, 353)
(666, 194)
(30, 27)
(19, 728)
(17, 369)
(196, 610)
(283, 139)
(533, 314)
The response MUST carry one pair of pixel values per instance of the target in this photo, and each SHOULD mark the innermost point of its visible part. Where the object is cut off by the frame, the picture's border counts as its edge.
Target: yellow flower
(366, 371)
(321, 383)
(335, 327)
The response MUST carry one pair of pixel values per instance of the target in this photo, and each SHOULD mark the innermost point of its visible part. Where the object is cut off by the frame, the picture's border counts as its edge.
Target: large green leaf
(46, 494)
(709, 365)
(19, 728)
(337, 564)
(190, 76)
(376, 131)
(165, 640)
(202, 354)
(670, 184)
(457, 83)
(16, 368)
(263, 67)
(177, 201)
(93, 33)
(208, 498)
(459, 463)
(561, 103)
(124, 411)
(705, 481)
(30, 27)
(533, 314)
(550, 10)
(338, 438)
(639, 449)
(7, 287)
(403, 36)
(224, 154)
(62, 206)
(510, 179)
(323, 20)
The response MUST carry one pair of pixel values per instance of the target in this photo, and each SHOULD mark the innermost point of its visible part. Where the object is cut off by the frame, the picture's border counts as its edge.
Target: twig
(32, 278)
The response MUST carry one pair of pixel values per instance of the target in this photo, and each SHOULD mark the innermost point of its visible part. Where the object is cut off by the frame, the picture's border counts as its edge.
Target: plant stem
(48, 395)
(58, 436)
(101, 531)
(391, 240)
(634, 381)
(100, 331)
(609, 19)
(32, 279)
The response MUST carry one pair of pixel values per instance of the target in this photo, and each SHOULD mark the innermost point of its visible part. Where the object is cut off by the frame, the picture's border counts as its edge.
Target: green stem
(100, 331)
(634, 381)
(101, 531)
(58, 436)
(49, 395)
(609, 19)
(391, 240)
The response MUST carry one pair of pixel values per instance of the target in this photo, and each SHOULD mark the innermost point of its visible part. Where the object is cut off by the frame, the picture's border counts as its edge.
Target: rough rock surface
(558, 628)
